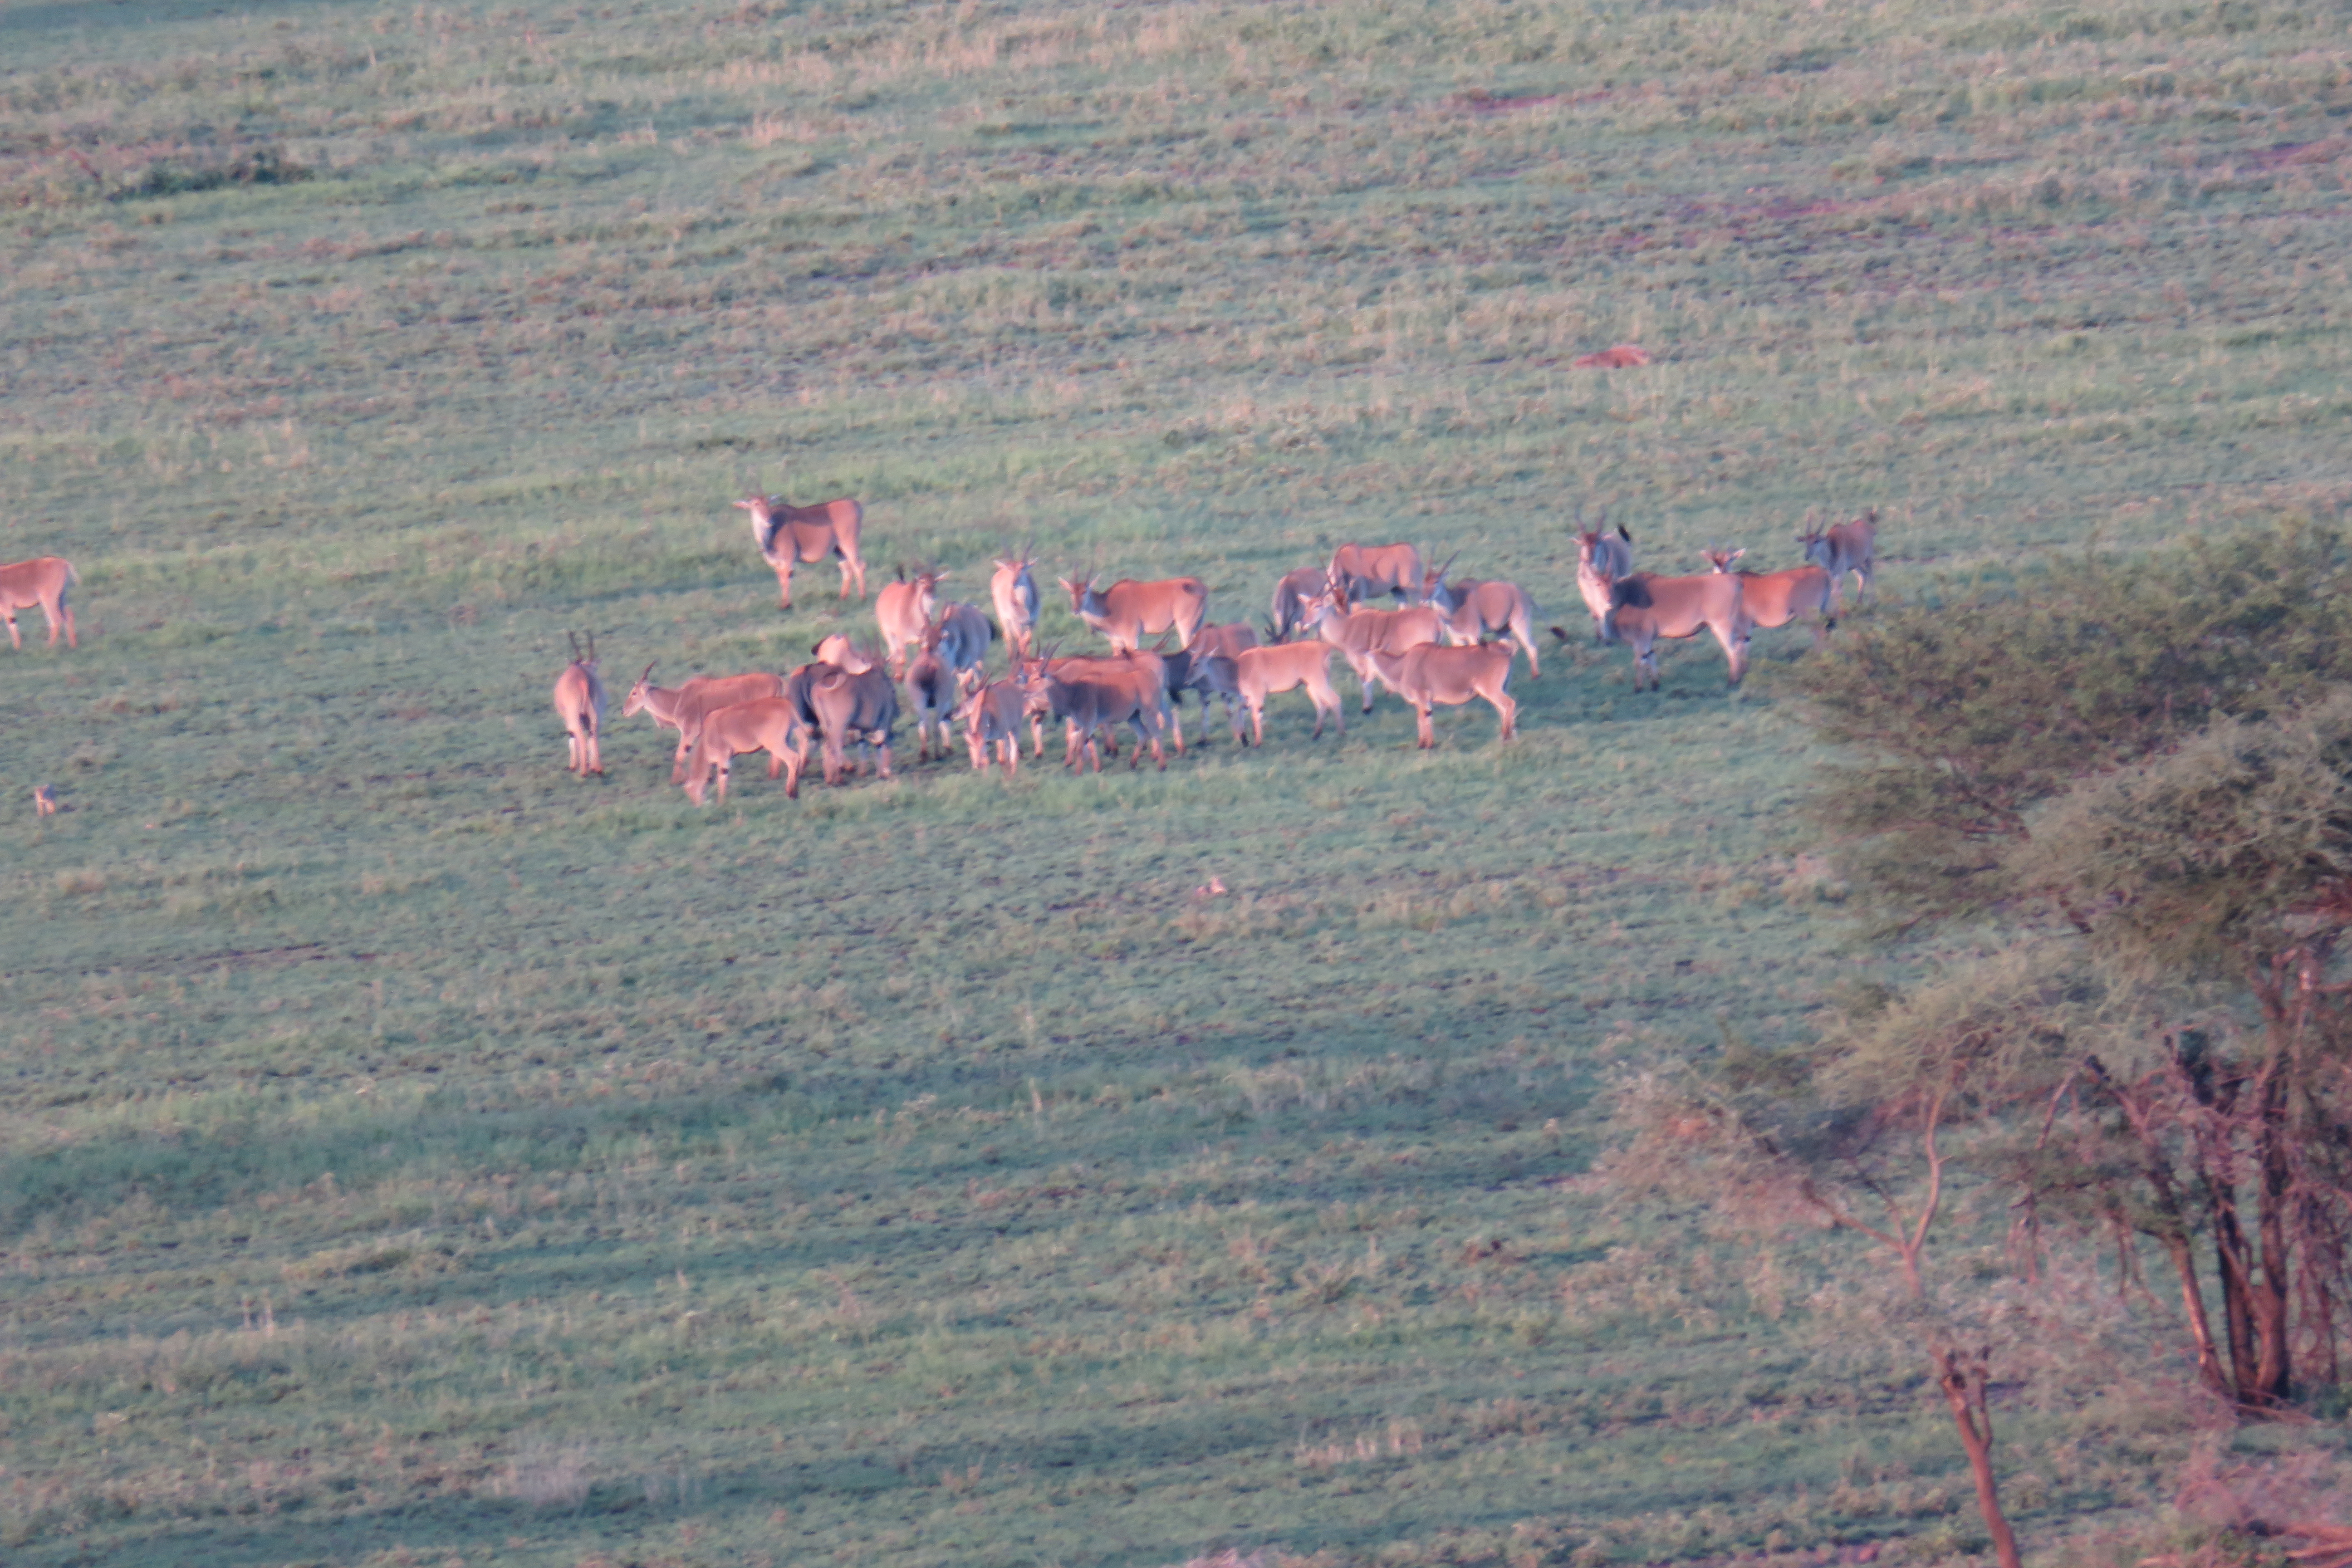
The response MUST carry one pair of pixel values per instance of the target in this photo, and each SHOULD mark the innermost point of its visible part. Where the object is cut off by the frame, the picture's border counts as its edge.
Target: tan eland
(1262, 672)
(1849, 547)
(41, 581)
(1425, 677)
(1127, 611)
(1014, 588)
(770, 725)
(1644, 608)
(1360, 571)
(682, 708)
(1773, 599)
(791, 536)
(580, 704)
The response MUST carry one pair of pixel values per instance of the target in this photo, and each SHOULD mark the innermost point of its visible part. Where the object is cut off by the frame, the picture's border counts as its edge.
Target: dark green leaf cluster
(1962, 711)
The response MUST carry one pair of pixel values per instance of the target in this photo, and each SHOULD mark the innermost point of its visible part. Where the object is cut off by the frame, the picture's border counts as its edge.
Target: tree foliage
(1953, 716)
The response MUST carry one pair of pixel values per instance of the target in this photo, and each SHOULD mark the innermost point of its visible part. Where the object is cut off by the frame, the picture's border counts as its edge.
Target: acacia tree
(1955, 716)
(1865, 1134)
(2227, 861)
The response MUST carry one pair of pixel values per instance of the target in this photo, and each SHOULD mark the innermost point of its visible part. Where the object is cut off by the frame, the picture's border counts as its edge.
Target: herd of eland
(1442, 641)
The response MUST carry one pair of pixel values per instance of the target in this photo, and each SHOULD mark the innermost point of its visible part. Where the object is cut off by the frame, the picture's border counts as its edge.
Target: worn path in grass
(409, 1152)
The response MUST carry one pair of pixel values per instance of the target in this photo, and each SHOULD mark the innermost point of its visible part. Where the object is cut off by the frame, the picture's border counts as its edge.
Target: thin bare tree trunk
(1973, 1416)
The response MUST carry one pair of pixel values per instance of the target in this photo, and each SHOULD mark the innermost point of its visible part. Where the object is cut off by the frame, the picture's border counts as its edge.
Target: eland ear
(1735, 555)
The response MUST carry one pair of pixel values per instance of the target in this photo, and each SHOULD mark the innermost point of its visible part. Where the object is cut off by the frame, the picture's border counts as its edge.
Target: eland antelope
(1262, 672)
(1426, 675)
(1359, 634)
(1847, 547)
(1092, 700)
(839, 705)
(580, 704)
(1360, 571)
(1645, 607)
(682, 708)
(1471, 609)
(770, 725)
(1290, 596)
(1014, 587)
(794, 536)
(992, 720)
(41, 581)
(963, 635)
(931, 690)
(1127, 611)
(903, 610)
(1775, 598)
(1601, 558)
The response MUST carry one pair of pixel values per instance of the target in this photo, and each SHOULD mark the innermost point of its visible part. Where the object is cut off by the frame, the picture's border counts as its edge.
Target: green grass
(407, 1152)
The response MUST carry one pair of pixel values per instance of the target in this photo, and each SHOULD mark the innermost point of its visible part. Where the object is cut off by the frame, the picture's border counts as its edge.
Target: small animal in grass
(44, 800)
(1624, 356)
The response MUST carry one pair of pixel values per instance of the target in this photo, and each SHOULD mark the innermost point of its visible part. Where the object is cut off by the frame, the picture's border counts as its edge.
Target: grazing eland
(1290, 598)
(41, 581)
(1127, 611)
(1849, 547)
(580, 704)
(44, 800)
(1427, 676)
(1360, 571)
(792, 536)
(770, 725)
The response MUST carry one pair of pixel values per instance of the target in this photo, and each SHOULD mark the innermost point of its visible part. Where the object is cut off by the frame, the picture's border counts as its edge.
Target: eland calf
(770, 725)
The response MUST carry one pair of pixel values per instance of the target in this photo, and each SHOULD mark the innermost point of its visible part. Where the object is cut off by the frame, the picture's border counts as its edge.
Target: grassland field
(412, 1154)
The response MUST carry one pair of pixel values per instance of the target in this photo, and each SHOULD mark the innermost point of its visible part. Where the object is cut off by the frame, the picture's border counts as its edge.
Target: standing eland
(1773, 599)
(1601, 558)
(1127, 611)
(903, 610)
(1359, 634)
(580, 704)
(1645, 607)
(1262, 672)
(41, 581)
(770, 725)
(794, 536)
(683, 707)
(1468, 611)
(1847, 547)
(1427, 676)
(1014, 587)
